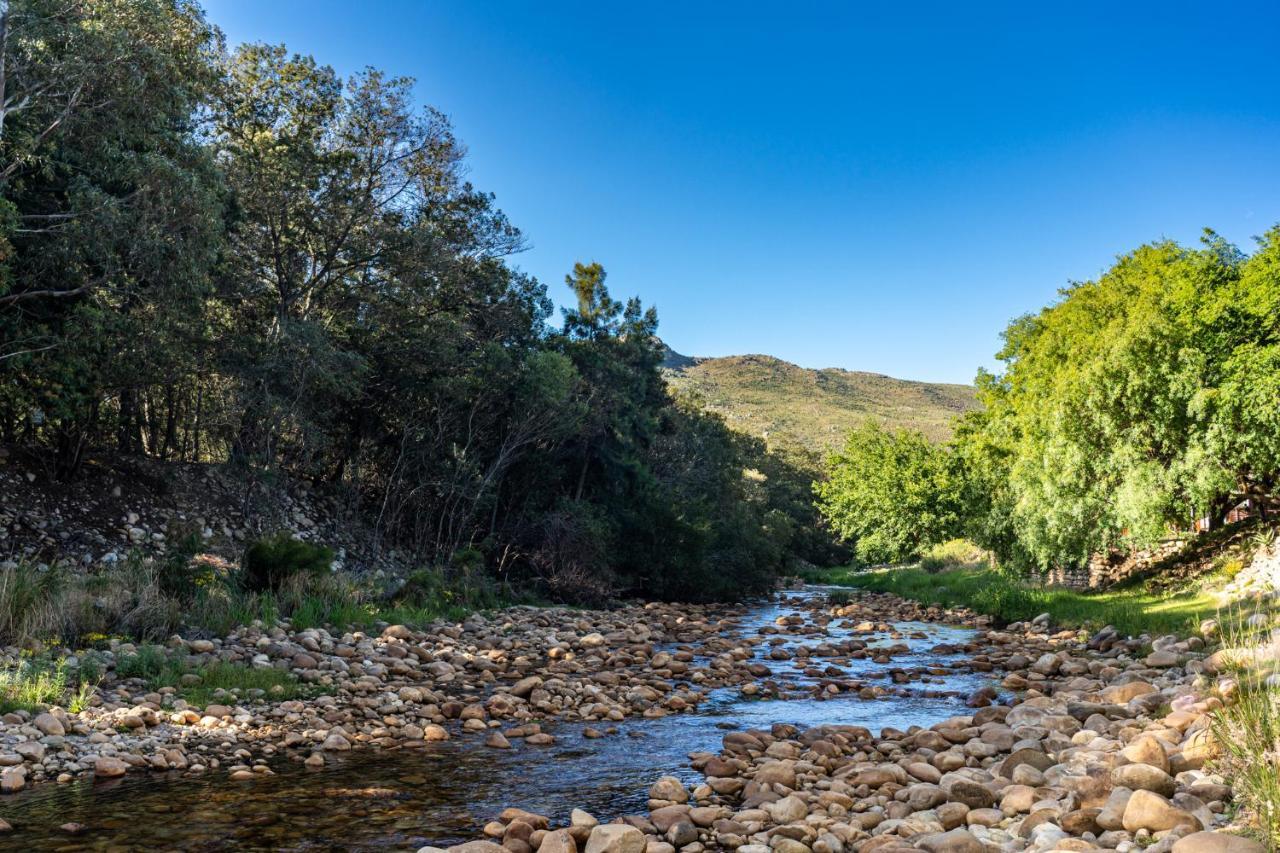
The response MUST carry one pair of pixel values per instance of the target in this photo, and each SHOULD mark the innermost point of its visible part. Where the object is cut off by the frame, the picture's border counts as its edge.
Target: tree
(892, 494)
(114, 218)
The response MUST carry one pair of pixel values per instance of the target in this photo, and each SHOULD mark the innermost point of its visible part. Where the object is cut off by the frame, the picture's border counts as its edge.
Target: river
(444, 793)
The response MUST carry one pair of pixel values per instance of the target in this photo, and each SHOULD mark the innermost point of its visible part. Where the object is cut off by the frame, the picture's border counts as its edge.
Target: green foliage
(1008, 598)
(1133, 406)
(245, 259)
(204, 684)
(276, 561)
(1246, 730)
(893, 494)
(31, 685)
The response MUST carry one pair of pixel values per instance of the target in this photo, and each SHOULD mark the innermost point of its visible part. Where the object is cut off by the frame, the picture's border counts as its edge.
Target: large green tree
(892, 494)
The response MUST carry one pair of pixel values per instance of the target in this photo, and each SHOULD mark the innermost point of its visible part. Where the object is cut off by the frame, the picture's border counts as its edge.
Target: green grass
(31, 685)
(205, 684)
(1132, 611)
(1247, 728)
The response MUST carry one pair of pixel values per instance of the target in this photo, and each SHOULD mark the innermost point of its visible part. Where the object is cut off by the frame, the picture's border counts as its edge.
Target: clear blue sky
(877, 187)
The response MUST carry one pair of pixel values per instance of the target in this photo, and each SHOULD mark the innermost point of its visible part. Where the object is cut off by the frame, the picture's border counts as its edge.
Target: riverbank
(1088, 742)
(1131, 610)
(1050, 727)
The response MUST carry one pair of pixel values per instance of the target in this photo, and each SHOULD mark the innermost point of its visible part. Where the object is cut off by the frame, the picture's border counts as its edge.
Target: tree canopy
(244, 259)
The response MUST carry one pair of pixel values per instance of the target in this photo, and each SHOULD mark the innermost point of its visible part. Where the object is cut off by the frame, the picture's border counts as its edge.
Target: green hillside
(768, 397)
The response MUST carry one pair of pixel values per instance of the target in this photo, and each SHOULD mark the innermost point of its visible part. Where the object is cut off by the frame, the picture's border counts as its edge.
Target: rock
(48, 725)
(669, 788)
(972, 794)
(682, 833)
(218, 711)
(107, 767)
(525, 686)
(336, 742)
(497, 740)
(1150, 811)
(433, 733)
(558, 841)
(1147, 749)
(614, 838)
(13, 779)
(955, 841)
(1216, 842)
(1112, 815)
(478, 847)
(1163, 659)
(789, 809)
(1143, 777)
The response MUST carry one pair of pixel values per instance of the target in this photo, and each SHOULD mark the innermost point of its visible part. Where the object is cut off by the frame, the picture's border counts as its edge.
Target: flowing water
(444, 793)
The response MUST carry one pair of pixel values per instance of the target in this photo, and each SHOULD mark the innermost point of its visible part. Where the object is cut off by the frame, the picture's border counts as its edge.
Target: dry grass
(1247, 728)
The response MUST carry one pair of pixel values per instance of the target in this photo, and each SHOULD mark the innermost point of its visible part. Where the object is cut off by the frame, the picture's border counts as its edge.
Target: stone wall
(1104, 570)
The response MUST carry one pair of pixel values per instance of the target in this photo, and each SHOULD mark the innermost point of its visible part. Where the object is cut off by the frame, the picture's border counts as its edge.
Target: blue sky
(875, 187)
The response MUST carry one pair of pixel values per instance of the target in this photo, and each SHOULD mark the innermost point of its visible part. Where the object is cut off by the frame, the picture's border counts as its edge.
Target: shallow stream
(444, 793)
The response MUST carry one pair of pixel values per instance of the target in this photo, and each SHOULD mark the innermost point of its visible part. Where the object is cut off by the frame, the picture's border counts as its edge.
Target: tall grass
(1246, 730)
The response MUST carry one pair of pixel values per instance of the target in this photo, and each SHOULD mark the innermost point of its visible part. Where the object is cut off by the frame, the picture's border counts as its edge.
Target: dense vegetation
(812, 410)
(241, 258)
(1129, 409)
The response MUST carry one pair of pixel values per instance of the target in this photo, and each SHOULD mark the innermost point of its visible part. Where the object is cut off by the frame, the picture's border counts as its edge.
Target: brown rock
(1148, 810)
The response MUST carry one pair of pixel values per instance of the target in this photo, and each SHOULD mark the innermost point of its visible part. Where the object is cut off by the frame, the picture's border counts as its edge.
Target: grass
(144, 600)
(1132, 611)
(1247, 729)
(30, 685)
(205, 684)
(35, 682)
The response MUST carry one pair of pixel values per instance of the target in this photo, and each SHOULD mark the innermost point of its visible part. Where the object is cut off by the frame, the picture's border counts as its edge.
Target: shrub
(276, 561)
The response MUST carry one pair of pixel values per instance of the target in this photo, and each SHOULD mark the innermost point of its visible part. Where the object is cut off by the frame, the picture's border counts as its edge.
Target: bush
(273, 562)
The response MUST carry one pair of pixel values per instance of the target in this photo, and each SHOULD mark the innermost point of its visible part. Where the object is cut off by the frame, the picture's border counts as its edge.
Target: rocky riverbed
(801, 725)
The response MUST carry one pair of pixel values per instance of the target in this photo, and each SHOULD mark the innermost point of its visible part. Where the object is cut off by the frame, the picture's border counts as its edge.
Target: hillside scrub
(244, 259)
(1134, 406)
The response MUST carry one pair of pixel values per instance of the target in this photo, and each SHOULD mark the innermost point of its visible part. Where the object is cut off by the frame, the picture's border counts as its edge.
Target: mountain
(774, 399)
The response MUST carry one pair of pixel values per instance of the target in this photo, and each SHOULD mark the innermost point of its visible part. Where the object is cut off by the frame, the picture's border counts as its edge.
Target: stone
(107, 767)
(1111, 817)
(336, 743)
(13, 779)
(558, 841)
(669, 788)
(1150, 811)
(525, 686)
(972, 794)
(1147, 749)
(955, 841)
(615, 838)
(433, 733)
(497, 740)
(789, 809)
(1216, 842)
(1143, 777)
(48, 724)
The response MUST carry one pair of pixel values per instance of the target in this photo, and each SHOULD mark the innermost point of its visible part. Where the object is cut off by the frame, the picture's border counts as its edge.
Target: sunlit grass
(1131, 611)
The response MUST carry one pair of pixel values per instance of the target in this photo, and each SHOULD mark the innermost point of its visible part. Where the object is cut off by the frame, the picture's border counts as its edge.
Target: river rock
(558, 841)
(107, 767)
(1143, 777)
(615, 838)
(1216, 842)
(955, 841)
(48, 724)
(1148, 810)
